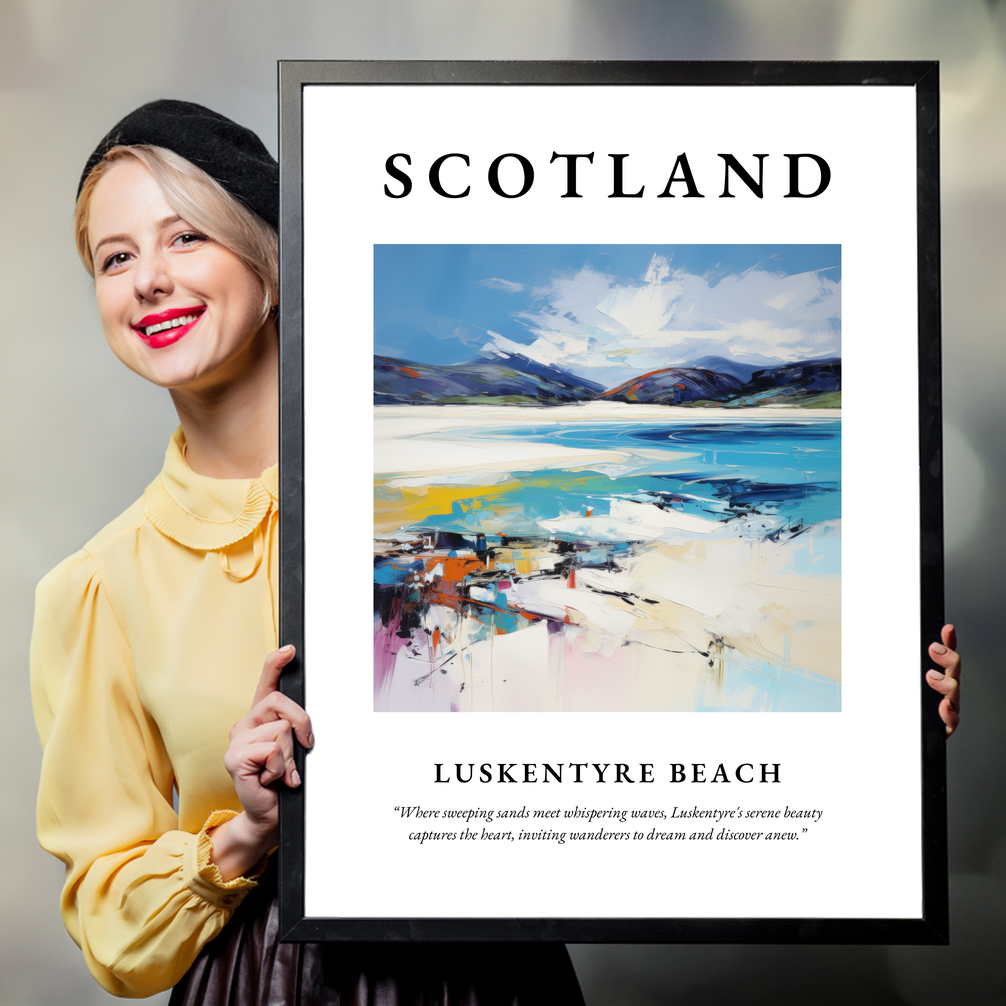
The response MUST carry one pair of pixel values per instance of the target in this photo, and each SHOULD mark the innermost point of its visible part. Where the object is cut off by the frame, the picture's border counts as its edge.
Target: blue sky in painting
(605, 311)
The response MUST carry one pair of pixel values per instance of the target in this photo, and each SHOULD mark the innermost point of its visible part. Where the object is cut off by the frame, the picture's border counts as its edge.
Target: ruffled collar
(203, 513)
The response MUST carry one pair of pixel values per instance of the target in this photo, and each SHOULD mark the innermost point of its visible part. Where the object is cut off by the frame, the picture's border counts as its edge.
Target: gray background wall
(82, 436)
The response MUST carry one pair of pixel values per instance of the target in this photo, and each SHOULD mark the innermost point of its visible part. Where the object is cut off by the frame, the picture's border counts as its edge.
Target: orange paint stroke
(635, 383)
(457, 568)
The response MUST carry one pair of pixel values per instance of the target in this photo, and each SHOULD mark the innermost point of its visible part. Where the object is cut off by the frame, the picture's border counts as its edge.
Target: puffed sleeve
(141, 897)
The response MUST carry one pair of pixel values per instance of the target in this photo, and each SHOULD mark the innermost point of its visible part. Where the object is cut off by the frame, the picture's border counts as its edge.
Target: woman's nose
(152, 277)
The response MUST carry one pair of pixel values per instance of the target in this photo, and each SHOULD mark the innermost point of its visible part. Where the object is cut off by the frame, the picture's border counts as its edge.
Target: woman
(148, 643)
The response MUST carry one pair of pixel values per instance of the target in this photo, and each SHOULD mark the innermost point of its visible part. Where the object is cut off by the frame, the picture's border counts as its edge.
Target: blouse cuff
(202, 876)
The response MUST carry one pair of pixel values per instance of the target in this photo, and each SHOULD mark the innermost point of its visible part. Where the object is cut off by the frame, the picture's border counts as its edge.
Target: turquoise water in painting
(788, 473)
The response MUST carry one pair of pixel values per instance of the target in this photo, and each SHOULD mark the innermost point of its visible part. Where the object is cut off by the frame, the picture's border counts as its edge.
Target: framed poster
(612, 585)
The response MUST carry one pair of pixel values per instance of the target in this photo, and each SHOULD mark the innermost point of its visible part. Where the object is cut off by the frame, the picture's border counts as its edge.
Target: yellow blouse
(147, 647)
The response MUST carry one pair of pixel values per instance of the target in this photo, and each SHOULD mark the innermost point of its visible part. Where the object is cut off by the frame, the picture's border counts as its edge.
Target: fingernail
(936, 675)
(287, 649)
(295, 777)
(310, 740)
(938, 648)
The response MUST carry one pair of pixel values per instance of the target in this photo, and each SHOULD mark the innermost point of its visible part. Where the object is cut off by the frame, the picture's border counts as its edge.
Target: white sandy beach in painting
(401, 431)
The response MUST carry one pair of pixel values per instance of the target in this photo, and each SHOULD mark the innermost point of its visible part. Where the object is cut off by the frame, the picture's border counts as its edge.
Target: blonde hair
(199, 200)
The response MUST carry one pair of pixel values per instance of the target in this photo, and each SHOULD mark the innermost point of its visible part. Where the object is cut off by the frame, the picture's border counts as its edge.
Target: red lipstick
(166, 325)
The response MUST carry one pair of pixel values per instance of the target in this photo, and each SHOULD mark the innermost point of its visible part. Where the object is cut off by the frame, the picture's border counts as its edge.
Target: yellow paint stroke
(400, 505)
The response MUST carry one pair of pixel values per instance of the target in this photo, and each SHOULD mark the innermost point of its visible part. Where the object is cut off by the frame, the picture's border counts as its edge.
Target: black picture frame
(931, 927)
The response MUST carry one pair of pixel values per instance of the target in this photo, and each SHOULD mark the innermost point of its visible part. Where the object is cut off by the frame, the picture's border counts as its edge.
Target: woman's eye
(114, 261)
(190, 238)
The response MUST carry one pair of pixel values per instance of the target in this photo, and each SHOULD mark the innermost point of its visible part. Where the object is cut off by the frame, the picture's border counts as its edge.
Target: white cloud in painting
(600, 326)
(507, 285)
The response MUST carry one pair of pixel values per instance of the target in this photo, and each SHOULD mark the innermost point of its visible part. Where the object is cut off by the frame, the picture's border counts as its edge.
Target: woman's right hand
(259, 754)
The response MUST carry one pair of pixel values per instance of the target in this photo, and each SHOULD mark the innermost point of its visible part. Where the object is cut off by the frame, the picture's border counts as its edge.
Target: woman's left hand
(948, 681)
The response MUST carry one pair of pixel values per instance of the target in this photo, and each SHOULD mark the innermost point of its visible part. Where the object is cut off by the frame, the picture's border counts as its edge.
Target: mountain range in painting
(513, 379)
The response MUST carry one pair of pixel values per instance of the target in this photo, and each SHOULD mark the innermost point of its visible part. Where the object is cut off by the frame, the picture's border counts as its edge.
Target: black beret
(231, 154)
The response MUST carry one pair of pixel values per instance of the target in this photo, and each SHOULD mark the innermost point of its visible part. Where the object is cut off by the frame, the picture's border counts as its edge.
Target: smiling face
(177, 307)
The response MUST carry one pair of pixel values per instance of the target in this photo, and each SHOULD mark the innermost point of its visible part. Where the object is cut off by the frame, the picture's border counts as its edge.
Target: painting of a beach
(607, 479)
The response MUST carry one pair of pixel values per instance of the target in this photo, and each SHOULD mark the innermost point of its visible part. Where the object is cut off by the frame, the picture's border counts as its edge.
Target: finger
(273, 708)
(948, 659)
(274, 766)
(279, 732)
(949, 708)
(260, 760)
(944, 684)
(276, 706)
(950, 716)
(949, 636)
(271, 670)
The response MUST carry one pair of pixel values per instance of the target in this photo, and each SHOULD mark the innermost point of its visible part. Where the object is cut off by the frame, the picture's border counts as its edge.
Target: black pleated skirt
(246, 965)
